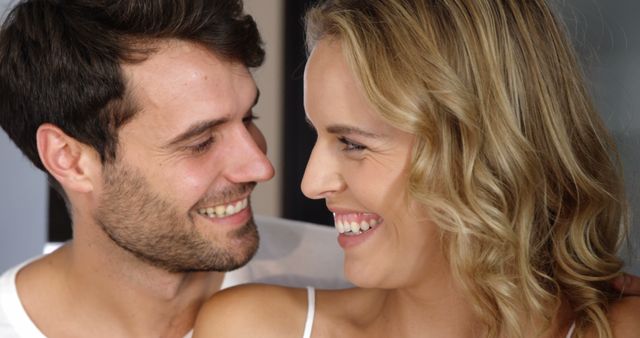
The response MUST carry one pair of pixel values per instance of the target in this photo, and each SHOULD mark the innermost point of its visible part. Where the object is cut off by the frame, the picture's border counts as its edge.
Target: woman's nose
(322, 177)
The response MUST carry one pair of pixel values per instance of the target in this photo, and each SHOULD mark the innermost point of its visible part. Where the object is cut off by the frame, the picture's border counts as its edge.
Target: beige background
(269, 16)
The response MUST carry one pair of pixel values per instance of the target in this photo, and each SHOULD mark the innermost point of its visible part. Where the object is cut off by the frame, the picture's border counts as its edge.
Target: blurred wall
(266, 200)
(23, 198)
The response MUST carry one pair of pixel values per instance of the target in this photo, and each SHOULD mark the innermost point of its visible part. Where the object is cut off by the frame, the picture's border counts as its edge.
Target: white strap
(311, 311)
(573, 327)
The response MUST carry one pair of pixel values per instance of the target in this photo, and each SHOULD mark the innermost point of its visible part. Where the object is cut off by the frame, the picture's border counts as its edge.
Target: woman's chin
(362, 276)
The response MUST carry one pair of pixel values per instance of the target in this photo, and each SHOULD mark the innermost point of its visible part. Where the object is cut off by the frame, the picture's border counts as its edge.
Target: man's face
(177, 195)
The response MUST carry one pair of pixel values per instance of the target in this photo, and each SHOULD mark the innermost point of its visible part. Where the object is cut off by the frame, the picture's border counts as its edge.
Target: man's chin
(219, 263)
(236, 253)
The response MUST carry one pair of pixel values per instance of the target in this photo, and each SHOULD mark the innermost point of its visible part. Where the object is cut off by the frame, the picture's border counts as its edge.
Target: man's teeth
(354, 227)
(224, 210)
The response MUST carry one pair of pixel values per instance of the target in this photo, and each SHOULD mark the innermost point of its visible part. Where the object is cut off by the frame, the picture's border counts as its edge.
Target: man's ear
(74, 164)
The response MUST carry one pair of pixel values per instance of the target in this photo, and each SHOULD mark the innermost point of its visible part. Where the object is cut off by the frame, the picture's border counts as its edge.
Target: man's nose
(248, 160)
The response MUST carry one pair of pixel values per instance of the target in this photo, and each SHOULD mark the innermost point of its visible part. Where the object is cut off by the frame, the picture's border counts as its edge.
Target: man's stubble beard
(151, 228)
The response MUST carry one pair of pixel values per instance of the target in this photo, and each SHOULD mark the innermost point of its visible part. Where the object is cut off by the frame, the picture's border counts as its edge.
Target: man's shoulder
(273, 311)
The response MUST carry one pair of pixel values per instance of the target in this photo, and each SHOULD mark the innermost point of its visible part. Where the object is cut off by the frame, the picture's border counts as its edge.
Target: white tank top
(311, 311)
(573, 327)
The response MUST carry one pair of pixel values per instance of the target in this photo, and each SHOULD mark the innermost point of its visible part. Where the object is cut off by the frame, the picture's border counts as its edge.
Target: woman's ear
(69, 161)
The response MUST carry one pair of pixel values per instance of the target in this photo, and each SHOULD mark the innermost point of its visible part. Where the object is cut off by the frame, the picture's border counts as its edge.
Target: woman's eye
(351, 146)
(249, 119)
(201, 147)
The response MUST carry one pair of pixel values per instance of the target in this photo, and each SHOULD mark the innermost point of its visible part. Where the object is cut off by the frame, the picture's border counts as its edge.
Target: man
(140, 112)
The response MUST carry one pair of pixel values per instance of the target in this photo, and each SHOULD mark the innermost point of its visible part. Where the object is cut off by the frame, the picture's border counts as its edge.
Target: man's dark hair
(60, 60)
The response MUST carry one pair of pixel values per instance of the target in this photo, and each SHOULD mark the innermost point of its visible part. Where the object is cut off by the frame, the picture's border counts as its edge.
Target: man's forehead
(183, 63)
(184, 82)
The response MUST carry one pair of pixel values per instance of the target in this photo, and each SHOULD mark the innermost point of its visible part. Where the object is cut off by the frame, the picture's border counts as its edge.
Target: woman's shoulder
(624, 317)
(253, 310)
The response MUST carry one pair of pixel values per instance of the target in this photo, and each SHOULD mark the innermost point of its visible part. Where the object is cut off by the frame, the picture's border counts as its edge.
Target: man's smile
(224, 210)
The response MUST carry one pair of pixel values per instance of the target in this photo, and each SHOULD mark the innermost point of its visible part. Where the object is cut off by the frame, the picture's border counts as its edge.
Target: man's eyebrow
(195, 130)
(202, 126)
(350, 130)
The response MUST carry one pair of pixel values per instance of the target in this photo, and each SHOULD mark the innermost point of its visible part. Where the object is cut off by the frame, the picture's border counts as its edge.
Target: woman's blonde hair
(512, 160)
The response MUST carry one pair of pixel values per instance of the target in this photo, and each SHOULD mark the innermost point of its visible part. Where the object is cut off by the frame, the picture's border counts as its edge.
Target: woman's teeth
(355, 224)
(224, 210)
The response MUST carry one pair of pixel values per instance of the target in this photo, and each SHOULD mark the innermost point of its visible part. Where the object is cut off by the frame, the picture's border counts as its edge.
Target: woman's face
(360, 166)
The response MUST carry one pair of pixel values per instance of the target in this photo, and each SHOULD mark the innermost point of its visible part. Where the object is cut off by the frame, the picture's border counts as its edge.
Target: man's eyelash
(351, 146)
(201, 147)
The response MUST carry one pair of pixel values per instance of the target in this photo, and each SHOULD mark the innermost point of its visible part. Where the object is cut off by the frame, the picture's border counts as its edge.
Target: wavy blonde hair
(512, 160)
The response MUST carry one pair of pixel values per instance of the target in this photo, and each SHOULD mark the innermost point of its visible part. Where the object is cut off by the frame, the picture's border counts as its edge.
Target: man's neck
(108, 292)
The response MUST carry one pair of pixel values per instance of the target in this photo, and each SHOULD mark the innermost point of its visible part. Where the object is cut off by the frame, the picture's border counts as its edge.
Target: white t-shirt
(291, 253)
(14, 321)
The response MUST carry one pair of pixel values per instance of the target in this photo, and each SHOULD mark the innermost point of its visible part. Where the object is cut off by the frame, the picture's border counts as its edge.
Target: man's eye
(351, 146)
(201, 147)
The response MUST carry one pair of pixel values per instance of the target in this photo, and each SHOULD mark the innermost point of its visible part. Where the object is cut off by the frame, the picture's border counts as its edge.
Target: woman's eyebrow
(350, 130)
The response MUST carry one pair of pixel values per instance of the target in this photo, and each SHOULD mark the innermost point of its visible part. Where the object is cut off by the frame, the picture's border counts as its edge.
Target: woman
(474, 187)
